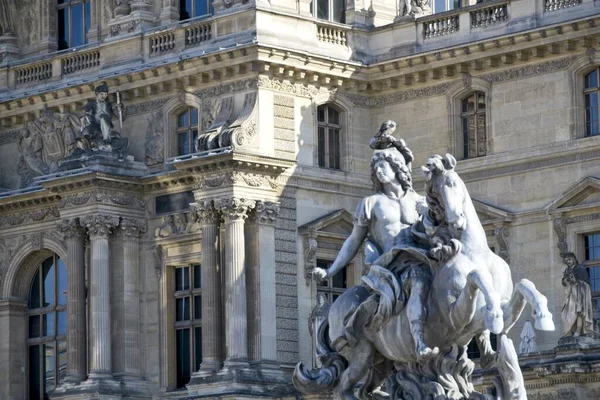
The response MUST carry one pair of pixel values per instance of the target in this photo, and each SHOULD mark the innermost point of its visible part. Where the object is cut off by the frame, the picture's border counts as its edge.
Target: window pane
(63, 29)
(62, 323)
(194, 140)
(182, 278)
(198, 347)
(48, 325)
(339, 280)
(481, 101)
(198, 307)
(333, 115)
(201, 8)
(465, 126)
(88, 21)
(49, 366)
(61, 282)
(77, 25)
(321, 113)
(591, 79)
(35, 387)
(183, 357)
(197, 277)
(62, 360)
(34, 293)
(333, 148)
(439, 6)
(48, 282)
(183, 309)
(185, 9)
(336, 147)
(192, 109)
(323, 9)
(183, 143)
(339, 12)
(321, 147)
(183, 119)
(35, 326)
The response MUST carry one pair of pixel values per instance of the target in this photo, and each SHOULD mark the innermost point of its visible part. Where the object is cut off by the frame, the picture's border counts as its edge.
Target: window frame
(326, 287)
(464, 120)
(330, 7)
(192, 14)
(590, 264)
(587, 91)
(192, 323)
(328, 128)
(56, 339)
(188, 129)
(87, 11)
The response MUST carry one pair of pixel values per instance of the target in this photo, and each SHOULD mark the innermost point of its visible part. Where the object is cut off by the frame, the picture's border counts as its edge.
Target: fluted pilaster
(235, 212)
(99, 228)
(208, 217)
(260, 251)
(76, 296)
(130, 232)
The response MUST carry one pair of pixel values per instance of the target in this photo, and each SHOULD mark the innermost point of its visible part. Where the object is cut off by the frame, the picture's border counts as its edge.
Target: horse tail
(326, 378)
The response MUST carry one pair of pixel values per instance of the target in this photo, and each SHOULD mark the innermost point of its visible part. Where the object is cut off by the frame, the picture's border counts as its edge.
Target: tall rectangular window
(592, 88)
(187, 131)
(194, 8)
(591, 243)
(328, 137)
(474, 125)
(74, 20)
(188, 322)
(329, 10)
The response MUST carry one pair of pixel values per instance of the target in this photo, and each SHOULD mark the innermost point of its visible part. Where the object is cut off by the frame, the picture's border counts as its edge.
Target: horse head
(446, 192)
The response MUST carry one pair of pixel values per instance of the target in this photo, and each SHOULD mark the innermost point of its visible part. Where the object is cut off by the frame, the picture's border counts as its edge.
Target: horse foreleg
(526, 292)
(359, 361)
(463, 310)
(488, 355)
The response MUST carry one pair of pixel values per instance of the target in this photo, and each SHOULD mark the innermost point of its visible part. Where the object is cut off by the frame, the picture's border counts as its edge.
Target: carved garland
(560, 227)
(27, 217)
(103, 197)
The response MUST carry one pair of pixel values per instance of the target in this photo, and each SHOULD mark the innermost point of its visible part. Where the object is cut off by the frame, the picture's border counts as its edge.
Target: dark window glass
(200, 7)
(35, 326)
(174, 202)
(197, 307)
(321, 114)
(592, 247)
(48, 282)
(61, 282)
(321, 146)
(88, 20)
(339, 11)
(182, 279)
(473, 119)
(198, 346)
(48, 324)
(333, 287)
(197, 277)
(591, 80)
(183, 357)
(592, 120)
(34, 293)
(328, 137)
(473, 351)
(183, 120)
(36, 389)
(63, 29)
(74, 21)
(183, 309)
(187, 131)
(183, 143)
(323, 9)
(339, 280)
(185, 9)
(77, 25)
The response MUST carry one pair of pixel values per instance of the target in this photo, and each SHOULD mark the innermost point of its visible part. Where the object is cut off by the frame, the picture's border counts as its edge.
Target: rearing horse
(471, 294)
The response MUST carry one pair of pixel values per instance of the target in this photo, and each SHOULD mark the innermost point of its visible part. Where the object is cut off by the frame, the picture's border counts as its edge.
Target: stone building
(179, 268)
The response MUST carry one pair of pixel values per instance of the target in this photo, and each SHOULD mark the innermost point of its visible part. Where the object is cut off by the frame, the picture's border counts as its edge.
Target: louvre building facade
(164, 250)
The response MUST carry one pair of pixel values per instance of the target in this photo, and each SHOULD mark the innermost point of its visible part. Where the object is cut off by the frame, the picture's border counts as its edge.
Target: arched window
(329, 10)
(47, 322)
(328, 136)
(187, 131)
(473, 120)
(591, 89)
(194, 8)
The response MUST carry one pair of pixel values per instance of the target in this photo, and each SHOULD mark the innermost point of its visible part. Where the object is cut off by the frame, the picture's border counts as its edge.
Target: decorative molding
(234, 208)
(530, 70)
(282, 86)
(236, 178)
(160, 255)
(155, 145)
(311, 246)
(148, 106)
(501, 233)
(132, 228)
(102, 197)
(10, 136)
(176, 224)
(70, 228)
(560, 227)
(30, 216)
(100, 226)
(228, 88)
(205, 213)
(398, 97)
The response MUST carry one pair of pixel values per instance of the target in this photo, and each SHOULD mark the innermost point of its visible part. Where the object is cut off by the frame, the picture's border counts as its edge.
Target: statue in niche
(97, 132)
(577, 307)
(528, 343)
(433, 285)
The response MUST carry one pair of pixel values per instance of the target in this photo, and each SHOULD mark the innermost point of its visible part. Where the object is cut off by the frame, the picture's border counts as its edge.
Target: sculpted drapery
(577, 307)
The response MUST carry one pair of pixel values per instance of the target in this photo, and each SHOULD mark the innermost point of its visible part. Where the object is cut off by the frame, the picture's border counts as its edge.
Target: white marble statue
(432, 284)
(528, 343)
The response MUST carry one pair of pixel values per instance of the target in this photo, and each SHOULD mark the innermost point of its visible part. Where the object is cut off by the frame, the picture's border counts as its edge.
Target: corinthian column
(235, 212)
(208, 217)
(76, 320)
(260, 251)
(99, 228)
(131, 230)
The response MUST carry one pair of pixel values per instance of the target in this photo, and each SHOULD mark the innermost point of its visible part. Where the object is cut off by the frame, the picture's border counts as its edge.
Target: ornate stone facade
(236, 190)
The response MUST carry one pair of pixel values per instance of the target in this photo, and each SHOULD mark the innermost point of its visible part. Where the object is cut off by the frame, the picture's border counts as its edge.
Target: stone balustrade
(198, 33)
(80, 62)
(489, 15)
(33, 73)
(440, 26)
(162, 42)
(333, 35)
(553, 5)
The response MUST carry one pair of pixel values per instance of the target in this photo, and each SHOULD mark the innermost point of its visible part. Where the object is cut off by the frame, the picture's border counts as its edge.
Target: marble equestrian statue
(433, 285)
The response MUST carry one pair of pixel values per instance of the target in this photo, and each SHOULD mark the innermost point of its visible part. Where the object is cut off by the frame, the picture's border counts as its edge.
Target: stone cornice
(248, 162)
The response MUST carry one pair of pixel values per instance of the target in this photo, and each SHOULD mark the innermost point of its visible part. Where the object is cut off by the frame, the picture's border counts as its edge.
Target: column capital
(234, 208)
(100, 225)
(265, 212)
(205, 212)
(132, 228)
(71, 228)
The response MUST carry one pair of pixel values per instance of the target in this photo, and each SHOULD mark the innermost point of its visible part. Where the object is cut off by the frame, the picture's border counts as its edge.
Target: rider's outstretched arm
(349, 249)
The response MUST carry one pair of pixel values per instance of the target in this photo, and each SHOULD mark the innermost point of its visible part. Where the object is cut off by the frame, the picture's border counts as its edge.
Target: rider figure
(386, 219)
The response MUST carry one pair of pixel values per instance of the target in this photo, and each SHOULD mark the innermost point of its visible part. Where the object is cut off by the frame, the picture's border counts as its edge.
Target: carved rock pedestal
(104, 162)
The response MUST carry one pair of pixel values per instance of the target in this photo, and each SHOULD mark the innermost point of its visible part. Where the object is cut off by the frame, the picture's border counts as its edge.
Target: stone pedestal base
(575, 343)
(137, 21)
(102, 162)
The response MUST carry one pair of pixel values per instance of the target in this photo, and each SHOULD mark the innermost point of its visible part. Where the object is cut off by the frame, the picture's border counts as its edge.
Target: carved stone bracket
(265, 212)
(132, 228)
(234, 208)
(242, 132)
(310, 255)
(100, 226)
(211, 139)
(71, 228)
(501, 233)
(205, 212)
